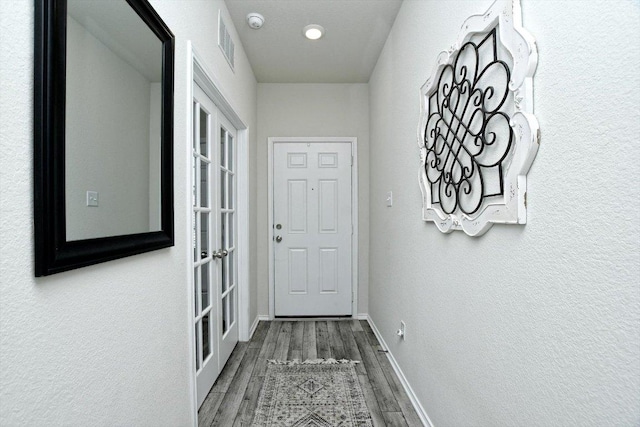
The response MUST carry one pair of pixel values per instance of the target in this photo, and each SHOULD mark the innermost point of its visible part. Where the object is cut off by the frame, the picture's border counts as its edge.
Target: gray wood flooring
(234, 396)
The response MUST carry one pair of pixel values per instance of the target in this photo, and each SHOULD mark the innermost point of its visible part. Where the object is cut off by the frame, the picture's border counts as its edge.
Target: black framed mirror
(103, 132)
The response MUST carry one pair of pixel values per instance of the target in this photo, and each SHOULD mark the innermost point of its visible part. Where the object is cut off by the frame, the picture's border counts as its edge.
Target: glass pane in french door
(204, 274)
(197, 346)
(223, 188)
(225, 316)
(204, 235)
(206, 336)
(204, 128)
(232, 305)
(204, 174)
(223, 142)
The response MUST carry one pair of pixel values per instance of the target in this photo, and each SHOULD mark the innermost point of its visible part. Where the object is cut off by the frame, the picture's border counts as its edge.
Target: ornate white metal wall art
(477, 134)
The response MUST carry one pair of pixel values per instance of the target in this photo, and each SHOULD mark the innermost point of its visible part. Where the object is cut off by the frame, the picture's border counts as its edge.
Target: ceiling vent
(225, 42)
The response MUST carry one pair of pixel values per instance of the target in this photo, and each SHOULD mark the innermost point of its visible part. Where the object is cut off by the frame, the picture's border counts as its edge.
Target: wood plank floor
(234, 396)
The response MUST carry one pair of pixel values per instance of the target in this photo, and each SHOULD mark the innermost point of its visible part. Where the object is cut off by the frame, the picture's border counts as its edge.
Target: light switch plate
(389, 198)
(92, 198)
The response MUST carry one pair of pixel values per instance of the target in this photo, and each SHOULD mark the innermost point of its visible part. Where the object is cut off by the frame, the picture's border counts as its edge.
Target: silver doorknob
(278, 239)
(221, 253)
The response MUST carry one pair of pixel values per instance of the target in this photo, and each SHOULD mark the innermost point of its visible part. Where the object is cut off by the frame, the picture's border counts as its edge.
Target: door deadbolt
(278, 226)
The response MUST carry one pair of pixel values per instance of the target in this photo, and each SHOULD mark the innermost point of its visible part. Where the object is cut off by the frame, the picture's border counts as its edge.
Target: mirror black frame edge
(53, 254)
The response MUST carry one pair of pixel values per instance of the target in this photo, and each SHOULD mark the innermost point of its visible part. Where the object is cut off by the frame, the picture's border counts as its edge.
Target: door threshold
(315, 318)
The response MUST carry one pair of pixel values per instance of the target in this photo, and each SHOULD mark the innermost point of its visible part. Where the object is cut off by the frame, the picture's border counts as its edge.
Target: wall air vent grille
(225, 42)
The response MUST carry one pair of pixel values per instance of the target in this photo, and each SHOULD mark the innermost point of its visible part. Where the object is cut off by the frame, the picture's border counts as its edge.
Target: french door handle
(203, 254)
(221, 253)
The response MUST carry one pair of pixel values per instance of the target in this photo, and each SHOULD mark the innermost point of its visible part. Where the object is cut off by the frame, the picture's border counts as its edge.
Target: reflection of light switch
(92, 198)
(389, 198)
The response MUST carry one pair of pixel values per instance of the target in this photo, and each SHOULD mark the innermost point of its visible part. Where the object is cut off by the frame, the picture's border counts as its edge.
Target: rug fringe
(312, 362)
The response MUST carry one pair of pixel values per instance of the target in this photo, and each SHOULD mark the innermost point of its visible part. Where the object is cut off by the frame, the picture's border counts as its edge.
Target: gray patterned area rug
(314, 393)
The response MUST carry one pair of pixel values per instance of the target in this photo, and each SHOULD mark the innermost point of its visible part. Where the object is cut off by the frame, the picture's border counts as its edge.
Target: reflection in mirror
(113, 121)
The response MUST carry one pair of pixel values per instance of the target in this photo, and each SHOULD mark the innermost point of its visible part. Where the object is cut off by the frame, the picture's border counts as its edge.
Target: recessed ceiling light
(313, 31)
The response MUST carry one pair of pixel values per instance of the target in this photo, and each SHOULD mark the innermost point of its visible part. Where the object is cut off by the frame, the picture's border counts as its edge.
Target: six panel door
(312, 229)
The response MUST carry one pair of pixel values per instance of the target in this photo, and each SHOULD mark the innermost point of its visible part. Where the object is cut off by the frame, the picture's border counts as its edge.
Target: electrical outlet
(389, 198)
(403, 330)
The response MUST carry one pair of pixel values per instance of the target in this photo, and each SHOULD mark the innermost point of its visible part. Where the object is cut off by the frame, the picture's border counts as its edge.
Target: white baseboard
(254, 325)
(407, 387)
(359, 316)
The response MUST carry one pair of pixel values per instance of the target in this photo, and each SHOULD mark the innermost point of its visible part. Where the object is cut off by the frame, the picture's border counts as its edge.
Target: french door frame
(198, 74)
(354, 214)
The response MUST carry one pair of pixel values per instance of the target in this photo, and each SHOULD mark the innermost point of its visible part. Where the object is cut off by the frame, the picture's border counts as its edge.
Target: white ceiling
(355, 32)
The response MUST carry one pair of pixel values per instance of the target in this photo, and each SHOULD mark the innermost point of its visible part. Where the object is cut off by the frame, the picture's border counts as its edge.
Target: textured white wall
(527, 325)
(106, 344)
(313, 110)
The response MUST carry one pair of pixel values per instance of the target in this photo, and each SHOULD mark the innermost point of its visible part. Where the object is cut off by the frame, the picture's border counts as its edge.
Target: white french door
(227, 238)
(214, 237)
(312, 212)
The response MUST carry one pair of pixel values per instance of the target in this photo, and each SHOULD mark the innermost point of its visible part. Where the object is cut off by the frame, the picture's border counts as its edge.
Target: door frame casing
(198, 73)
(354, 214)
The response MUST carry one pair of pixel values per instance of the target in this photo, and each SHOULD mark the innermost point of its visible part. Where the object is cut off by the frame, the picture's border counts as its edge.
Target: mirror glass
(113, 103)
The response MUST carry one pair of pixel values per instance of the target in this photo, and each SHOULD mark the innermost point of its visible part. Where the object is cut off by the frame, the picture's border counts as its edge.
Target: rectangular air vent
(225, 42)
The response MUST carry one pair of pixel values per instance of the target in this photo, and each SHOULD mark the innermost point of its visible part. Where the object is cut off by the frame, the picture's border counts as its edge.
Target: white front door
(312, 228)
(214, 237)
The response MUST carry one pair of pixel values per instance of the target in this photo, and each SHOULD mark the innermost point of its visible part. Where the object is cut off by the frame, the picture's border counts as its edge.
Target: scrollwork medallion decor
(477, 133)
